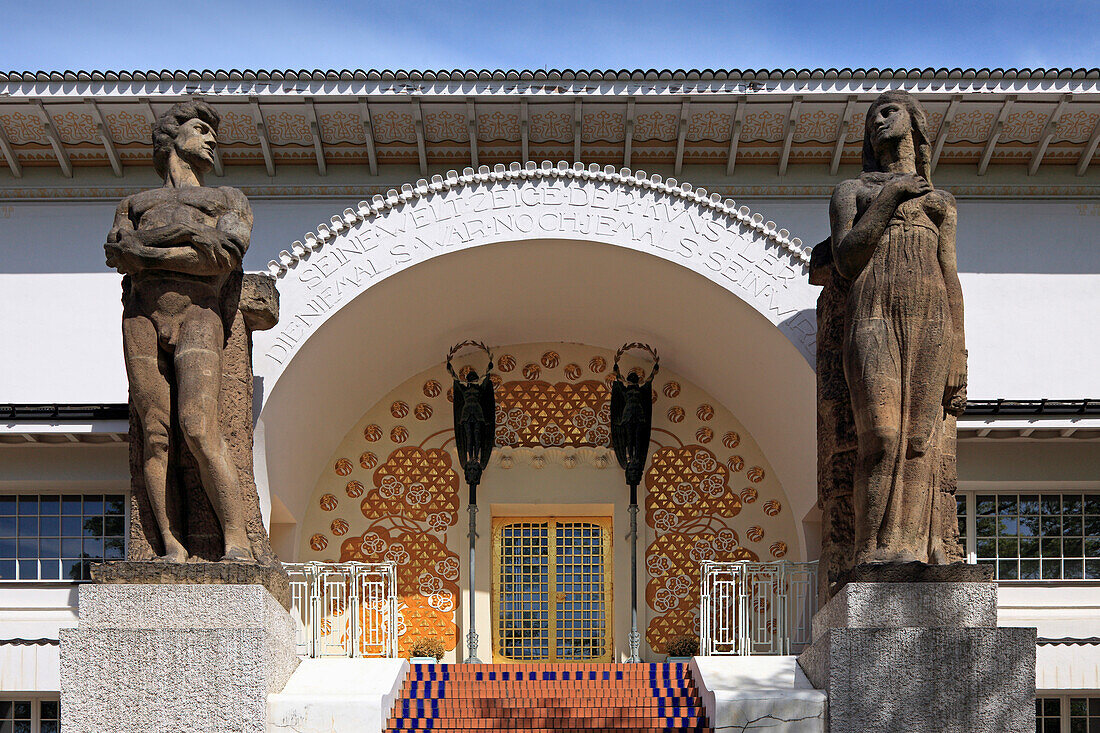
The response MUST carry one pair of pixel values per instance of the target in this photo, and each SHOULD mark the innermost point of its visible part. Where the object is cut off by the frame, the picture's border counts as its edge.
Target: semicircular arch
(525, 254)
(753, 259)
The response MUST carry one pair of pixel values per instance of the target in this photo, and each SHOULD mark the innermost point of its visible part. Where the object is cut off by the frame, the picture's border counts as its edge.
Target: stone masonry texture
(174, 659)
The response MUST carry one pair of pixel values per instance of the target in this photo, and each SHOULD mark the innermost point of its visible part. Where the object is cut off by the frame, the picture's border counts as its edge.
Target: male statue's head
(471, 377)
(633, 377)
(897, 120)
(187, 131)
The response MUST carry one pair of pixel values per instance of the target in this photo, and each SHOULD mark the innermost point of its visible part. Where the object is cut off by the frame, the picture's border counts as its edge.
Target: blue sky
(422, 34)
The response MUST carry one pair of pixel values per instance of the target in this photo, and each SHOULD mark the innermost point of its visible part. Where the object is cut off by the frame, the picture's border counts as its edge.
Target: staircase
(626, 698)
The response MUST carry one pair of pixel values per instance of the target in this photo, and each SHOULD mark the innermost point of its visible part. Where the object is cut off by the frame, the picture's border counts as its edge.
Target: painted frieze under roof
(451, 119)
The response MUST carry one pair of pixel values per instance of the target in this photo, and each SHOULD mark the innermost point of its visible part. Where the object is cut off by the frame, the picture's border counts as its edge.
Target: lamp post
(475, 434)
(631, 420)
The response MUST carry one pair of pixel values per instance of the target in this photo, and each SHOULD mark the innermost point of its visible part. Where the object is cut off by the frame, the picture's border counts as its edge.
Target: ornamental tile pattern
(341, 126)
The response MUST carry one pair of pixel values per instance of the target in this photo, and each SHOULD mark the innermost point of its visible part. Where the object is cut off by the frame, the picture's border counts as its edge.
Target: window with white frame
(1067, 714)
(1032, 536)
(58, 536)
(29, 716)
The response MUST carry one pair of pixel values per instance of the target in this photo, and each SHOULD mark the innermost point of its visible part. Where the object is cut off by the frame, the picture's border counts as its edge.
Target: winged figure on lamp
(632, 414)
(474, 415)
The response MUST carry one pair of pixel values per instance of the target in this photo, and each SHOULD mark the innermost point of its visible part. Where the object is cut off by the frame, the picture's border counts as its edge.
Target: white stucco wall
(1030, 268)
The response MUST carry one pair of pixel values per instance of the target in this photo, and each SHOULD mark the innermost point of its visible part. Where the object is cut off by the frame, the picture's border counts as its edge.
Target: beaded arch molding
(316, 241)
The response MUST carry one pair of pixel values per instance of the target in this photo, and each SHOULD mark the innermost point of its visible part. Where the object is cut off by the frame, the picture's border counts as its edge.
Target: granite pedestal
(921, 657)
(172, 658)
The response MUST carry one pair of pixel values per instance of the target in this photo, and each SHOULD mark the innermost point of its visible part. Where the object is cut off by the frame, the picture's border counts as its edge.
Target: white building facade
(402, 212)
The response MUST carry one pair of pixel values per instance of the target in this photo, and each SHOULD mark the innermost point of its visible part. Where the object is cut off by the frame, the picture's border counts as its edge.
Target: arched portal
(551, 254)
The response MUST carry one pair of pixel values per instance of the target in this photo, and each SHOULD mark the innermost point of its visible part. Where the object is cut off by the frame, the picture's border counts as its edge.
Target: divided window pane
(59, 536)
(1035, 536)
(19, 716)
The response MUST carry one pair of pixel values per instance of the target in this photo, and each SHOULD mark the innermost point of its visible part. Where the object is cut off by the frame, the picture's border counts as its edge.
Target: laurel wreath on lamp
(469, 342)
(636, 345)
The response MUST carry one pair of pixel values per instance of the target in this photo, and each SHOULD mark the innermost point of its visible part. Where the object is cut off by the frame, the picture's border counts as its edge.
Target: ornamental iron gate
(344, 609)
(750, 608)
(551, 591)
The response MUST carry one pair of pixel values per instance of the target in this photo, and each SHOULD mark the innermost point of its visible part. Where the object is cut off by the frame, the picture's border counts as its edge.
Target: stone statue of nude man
(177, 246)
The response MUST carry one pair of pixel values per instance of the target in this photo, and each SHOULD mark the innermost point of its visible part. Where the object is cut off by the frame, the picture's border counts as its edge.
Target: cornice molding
(549, 75)
(453, 181)
(344, 191)
(358, 82)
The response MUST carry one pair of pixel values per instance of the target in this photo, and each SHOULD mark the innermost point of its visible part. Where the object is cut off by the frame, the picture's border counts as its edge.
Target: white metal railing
(346, 609)
(752, 608)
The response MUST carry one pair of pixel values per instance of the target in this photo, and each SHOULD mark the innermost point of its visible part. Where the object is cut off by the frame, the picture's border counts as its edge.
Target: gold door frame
(551, 522)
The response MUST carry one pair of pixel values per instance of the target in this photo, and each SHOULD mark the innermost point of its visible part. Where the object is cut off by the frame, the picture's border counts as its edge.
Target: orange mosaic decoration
(536, 413)
(427, 578)
(413, 503)
(416, 483)
(688, 497)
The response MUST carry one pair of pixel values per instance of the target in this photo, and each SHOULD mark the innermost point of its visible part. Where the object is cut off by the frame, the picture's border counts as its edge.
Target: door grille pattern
(581, 599)
(523, 605)
(552, 589)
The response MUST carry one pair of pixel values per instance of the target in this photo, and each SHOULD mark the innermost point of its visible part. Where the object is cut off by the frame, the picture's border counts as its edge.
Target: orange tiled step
(625, 698)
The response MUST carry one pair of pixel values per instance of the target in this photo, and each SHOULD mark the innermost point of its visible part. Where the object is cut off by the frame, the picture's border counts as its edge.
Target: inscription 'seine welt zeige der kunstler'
(732, 254)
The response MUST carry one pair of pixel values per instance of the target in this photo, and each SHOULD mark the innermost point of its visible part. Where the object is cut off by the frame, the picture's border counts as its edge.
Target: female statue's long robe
(898, 349)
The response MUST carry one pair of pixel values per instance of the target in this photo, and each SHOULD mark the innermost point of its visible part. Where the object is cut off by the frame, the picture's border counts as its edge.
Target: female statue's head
(896, 118)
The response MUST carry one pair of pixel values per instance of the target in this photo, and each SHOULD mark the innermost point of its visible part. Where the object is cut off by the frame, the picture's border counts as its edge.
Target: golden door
(551, 594)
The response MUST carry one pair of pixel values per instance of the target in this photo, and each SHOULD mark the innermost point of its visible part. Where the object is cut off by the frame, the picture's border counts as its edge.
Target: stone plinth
(917, 572)
(902, 605)
(271, 576)
(921, 657)
(174, 658)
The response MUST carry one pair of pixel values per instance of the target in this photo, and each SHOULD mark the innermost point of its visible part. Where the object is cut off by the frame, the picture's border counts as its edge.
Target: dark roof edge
(1066, 640)
(120, 411)
(30, 642)
(503, 75)
(65, 413)
(1087, 406)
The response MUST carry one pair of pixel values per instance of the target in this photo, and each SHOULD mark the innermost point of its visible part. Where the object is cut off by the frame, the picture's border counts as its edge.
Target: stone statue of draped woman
(893, 239)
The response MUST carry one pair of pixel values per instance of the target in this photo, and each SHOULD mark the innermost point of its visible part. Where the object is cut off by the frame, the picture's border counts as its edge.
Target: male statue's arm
(189, 248)
(956, 379)
(854, 242)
